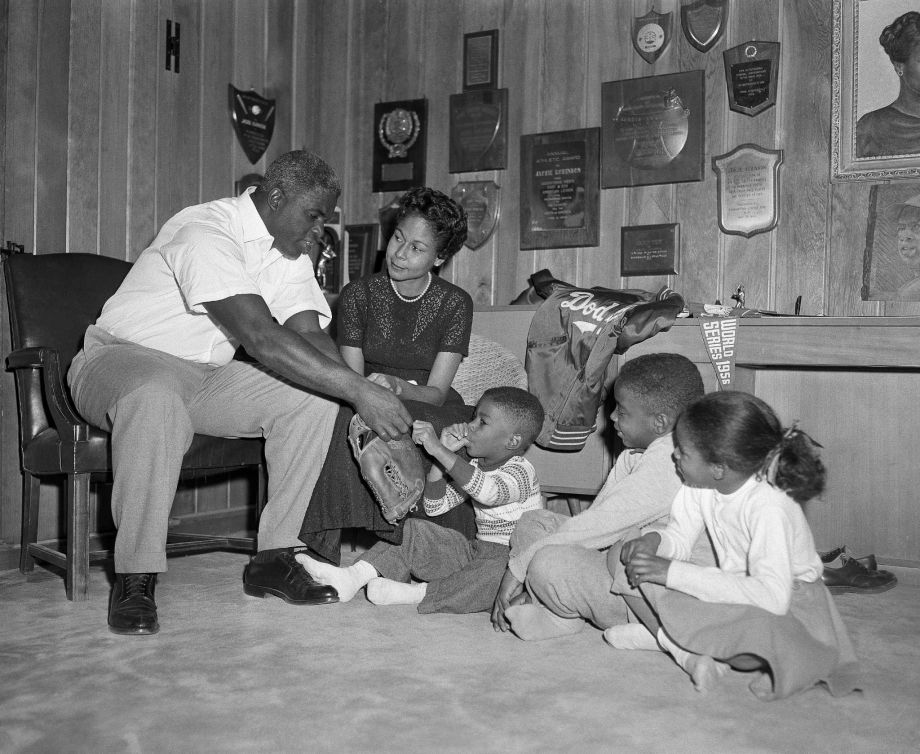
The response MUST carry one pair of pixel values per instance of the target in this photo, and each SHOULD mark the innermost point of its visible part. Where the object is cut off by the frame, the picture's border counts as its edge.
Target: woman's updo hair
(446, 218)
(899, 38)
(742, 432)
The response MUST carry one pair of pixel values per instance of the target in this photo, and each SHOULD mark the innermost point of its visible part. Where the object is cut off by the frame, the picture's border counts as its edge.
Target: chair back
(52, 299)
(488, 364)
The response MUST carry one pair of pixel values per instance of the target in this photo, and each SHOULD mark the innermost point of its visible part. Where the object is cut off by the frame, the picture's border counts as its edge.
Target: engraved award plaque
(704, 22)
(651, 34)
(653, 130)
(751, 73)
(253, 119)
(481, 200)
(399, 144)
(478, 130)
(748, 189)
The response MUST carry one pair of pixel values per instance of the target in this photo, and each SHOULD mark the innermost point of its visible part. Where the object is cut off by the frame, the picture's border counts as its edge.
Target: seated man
(560, 557)
(157, 367)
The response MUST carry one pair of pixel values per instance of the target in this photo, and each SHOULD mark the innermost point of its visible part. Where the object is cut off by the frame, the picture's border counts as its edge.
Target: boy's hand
(423, 434)
(455, 436)
(510, 592)
(385, 380)
(647, 543)
(643, 568)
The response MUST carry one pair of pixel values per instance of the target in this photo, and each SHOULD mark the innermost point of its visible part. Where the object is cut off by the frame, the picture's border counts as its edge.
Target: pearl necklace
(414, 298)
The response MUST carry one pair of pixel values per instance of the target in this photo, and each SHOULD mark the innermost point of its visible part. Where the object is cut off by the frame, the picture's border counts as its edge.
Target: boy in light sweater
(454, 574)
(562, 559)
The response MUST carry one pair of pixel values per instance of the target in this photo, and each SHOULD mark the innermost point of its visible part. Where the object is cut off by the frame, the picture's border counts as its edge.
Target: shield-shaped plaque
(253, 119)
(751, 73)
(651, 34)
(482, 202)
(704, 22)
(748, 189)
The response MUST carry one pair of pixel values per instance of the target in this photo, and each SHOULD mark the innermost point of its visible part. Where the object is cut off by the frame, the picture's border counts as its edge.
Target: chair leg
(77, 572)
(31, 490)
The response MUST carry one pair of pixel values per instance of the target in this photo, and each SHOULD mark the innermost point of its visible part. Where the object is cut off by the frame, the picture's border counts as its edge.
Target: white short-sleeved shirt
(207, 253)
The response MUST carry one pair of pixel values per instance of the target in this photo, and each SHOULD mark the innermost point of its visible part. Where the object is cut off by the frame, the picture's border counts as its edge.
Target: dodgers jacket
(572, 337)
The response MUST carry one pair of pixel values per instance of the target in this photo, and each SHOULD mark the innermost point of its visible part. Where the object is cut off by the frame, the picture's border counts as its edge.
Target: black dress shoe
(132, 609)
(854, 576)
(277, 572)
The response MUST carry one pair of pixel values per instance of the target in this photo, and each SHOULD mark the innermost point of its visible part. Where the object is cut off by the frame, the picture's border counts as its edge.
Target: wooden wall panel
(217, 141)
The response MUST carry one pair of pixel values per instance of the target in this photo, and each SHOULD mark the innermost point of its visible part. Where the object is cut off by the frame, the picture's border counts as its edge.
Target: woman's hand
(391, 383)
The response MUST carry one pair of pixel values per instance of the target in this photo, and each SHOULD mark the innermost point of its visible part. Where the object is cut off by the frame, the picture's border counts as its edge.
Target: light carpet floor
(229, 673)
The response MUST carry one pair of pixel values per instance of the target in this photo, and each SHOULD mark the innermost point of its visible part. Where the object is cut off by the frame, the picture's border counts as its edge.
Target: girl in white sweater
(763, 607)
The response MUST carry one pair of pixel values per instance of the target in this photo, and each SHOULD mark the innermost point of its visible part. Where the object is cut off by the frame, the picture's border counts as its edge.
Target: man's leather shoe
(277, 572)
(854, 576)
(132, 609)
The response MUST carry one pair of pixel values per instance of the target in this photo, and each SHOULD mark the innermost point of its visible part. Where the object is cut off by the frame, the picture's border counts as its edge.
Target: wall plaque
(748, 189)
(253, 119)
(653, 129)
(751, 73)
(399, 144)
(478, 130)
(704, 22)
(362, 249)
(651, 34)
(649, 249)
(482, 202)
(559, 189)
(480, 60)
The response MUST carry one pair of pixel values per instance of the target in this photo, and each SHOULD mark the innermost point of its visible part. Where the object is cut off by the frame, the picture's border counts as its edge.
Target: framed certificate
(650, 249)
(560, 182)
(480, 60)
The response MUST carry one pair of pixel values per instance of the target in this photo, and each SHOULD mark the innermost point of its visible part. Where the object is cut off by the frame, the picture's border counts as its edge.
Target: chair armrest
(67, 421)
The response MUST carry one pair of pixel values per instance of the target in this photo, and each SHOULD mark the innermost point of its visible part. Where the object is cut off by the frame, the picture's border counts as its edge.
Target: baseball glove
(392, 469)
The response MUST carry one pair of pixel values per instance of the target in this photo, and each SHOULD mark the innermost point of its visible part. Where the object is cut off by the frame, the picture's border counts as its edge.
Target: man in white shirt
(158, 367)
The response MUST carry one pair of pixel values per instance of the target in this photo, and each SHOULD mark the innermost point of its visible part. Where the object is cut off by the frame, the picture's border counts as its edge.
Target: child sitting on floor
(764, 607)
(456, 575)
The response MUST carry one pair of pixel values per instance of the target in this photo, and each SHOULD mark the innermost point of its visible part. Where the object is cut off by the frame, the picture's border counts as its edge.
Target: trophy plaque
(649, 249)
(399, 144)
(253, 119)
(704, 22)
(480, 60)
(652, 129)
(478, 130)
(748, 189)
(481, 200)
(751, 73)
(651, 34)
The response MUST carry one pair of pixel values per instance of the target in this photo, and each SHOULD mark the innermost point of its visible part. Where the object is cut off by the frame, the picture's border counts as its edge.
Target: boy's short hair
(663, 382)
(523, 409)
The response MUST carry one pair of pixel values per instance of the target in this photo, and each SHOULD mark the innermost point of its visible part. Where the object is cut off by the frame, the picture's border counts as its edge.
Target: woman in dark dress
(406, 329)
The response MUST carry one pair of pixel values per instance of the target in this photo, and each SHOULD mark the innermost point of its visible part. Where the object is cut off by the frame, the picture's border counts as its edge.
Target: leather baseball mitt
(392, 469)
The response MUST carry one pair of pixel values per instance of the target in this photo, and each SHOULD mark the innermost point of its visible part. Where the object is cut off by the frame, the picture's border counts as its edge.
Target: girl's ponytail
(794, 466)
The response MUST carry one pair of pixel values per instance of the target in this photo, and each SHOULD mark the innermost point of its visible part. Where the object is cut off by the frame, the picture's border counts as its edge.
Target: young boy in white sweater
(454, 574)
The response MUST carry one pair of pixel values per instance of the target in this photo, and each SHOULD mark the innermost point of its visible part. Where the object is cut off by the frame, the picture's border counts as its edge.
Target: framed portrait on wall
(653, 130)
(872, 135)
(891, 263)
(559, 189)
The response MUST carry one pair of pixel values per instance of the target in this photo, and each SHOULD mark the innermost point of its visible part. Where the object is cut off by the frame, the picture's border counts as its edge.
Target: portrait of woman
(895, 128)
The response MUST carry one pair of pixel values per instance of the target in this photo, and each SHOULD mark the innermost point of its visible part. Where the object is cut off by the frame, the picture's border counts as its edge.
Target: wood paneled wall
(101, 144)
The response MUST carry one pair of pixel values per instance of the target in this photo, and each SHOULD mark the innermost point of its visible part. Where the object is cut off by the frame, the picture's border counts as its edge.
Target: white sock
(382, 591)
(703, 670)
(631, 636)
(346, 581)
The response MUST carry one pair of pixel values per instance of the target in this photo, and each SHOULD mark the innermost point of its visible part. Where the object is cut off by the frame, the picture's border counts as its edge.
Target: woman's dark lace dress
(401, 339)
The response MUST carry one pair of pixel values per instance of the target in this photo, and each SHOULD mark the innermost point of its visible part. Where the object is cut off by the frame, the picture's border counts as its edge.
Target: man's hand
(647, 544)
(510, 592)
(643, 568)
(383, 412)
(455, 436)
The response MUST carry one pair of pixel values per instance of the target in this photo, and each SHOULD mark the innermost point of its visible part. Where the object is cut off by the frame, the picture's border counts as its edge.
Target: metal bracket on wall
(172, 45)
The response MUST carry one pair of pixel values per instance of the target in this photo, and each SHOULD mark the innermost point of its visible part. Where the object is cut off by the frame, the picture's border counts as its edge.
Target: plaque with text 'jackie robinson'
(559, 189)
(652, 130)
(748, 189)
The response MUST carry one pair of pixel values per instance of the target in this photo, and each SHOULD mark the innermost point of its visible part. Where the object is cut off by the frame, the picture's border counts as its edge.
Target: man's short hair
(663, 382)
(523, 409)
(299, 172)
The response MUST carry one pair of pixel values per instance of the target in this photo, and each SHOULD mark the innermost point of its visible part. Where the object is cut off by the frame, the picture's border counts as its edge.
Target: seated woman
(406, 329)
